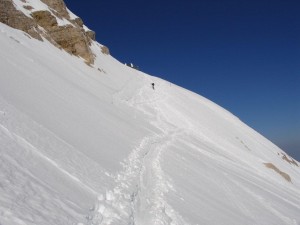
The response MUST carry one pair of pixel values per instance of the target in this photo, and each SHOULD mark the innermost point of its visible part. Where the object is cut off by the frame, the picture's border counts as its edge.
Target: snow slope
(96, 145)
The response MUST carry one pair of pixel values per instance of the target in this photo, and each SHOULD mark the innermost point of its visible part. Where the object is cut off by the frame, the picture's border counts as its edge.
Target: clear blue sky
(243, 55)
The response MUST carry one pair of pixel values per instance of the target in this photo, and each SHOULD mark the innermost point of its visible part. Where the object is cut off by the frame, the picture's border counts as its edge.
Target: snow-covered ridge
(98, 145)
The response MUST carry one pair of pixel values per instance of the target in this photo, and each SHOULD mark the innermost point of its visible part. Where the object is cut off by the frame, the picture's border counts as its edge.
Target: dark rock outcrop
(44, 19)
(74, 41)
(91, 34)
(72, 37)
(12, 17)
(105, 50)
(78, 21)
(58, 8)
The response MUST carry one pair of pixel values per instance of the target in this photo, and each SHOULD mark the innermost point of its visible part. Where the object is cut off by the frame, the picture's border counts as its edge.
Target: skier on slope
(153, 86)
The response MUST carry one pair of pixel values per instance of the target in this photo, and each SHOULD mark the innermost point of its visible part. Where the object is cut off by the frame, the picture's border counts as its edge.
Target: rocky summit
(53, 21)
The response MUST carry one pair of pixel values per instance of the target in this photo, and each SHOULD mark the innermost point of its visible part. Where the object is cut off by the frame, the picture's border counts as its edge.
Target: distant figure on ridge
(153, 86)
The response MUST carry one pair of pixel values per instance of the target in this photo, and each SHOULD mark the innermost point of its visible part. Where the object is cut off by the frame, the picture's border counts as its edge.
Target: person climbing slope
(153, 86)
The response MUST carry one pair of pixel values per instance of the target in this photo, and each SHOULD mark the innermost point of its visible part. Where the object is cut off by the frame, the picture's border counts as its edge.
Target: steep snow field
(97, 145)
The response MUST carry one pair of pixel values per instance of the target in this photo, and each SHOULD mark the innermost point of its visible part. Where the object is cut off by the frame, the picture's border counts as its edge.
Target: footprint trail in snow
(138, 197)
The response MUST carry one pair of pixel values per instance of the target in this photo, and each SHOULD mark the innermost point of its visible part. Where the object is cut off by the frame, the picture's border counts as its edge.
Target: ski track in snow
(138, 196)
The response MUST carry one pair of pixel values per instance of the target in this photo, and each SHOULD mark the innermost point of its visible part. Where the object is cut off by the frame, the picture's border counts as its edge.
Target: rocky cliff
(50, 20)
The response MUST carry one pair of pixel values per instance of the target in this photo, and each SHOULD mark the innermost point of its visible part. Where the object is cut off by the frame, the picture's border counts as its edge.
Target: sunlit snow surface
(97, 145)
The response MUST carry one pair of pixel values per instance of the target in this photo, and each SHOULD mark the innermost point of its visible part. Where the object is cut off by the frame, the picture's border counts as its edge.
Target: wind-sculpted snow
(96, 145)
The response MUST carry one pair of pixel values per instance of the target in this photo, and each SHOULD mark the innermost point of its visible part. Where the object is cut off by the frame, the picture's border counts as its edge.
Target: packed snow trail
(138, 196)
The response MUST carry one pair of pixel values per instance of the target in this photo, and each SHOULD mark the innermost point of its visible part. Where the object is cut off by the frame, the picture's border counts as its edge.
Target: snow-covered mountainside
(96, 144)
